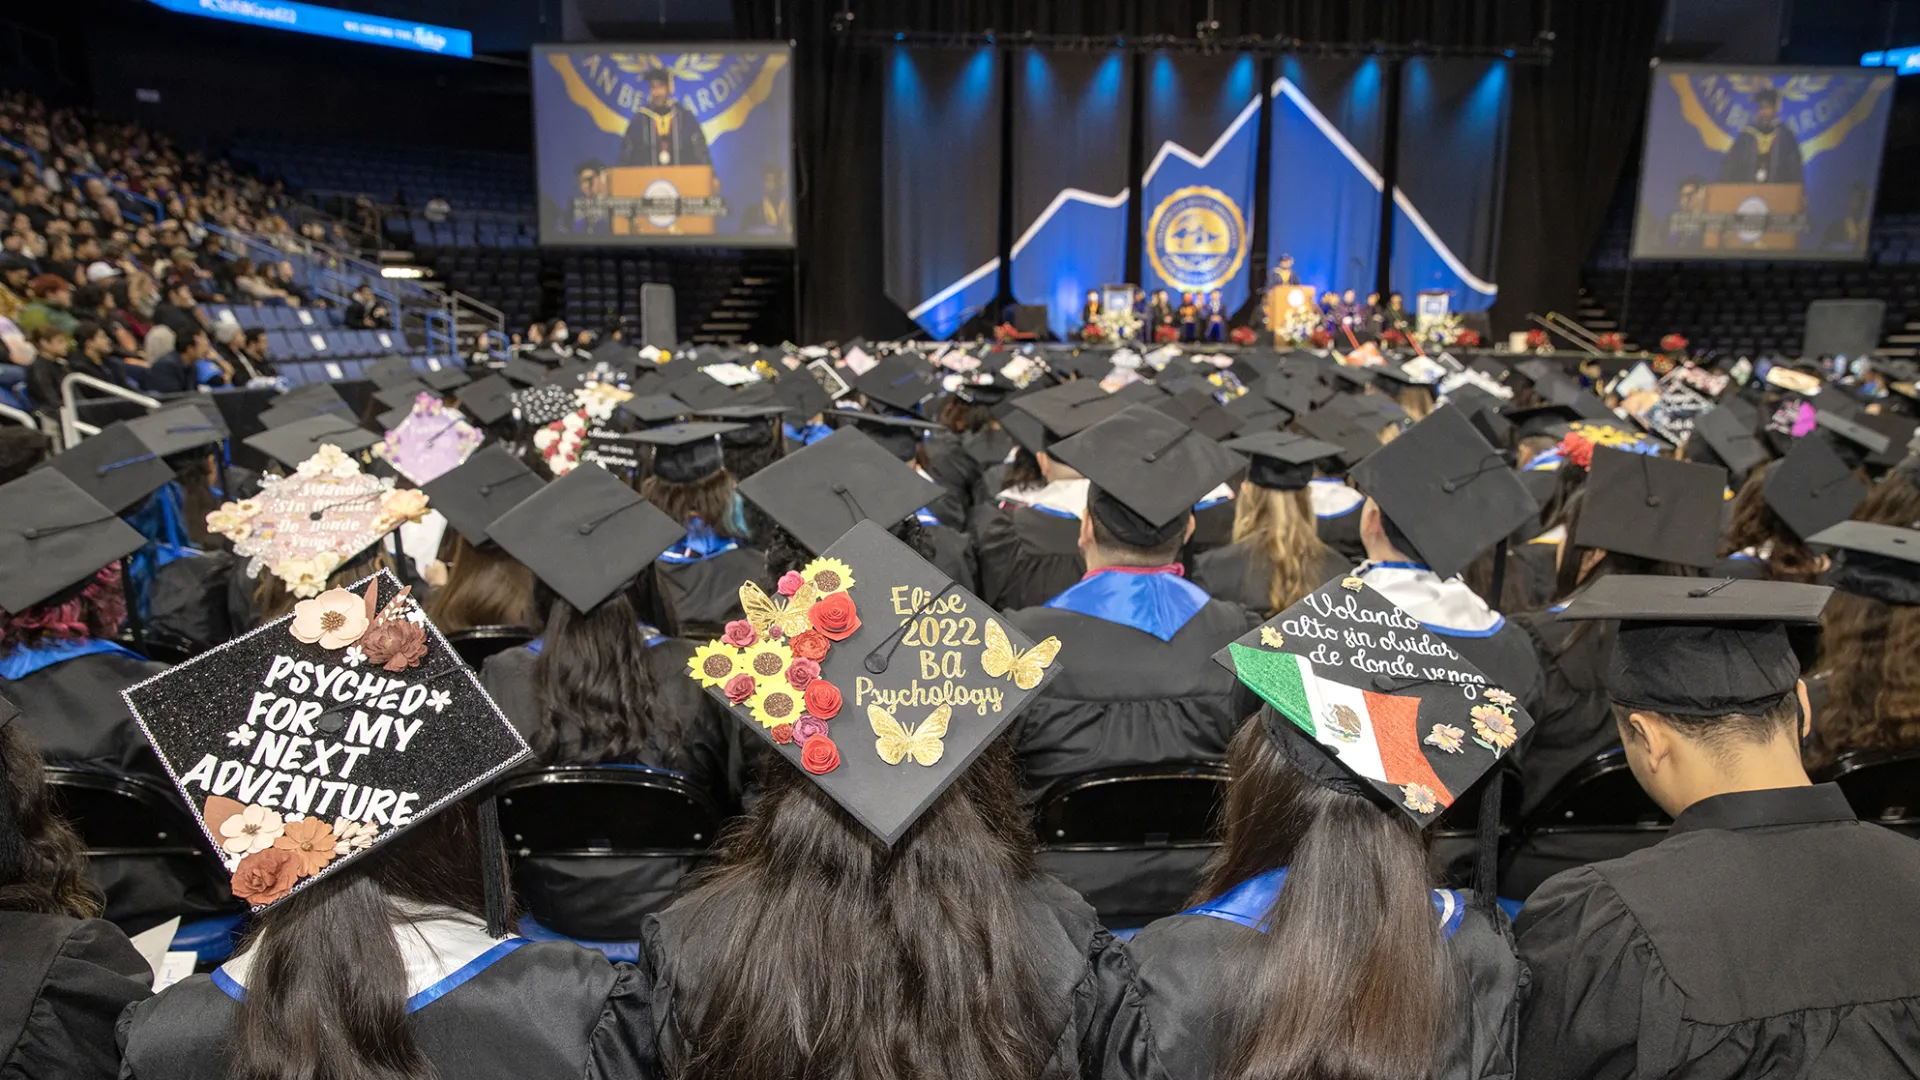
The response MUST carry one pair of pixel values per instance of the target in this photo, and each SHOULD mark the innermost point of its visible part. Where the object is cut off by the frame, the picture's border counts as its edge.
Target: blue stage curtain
(1324, 190)
(1451, 171)
(940, 166)
(1202, 133)
(1070, 131)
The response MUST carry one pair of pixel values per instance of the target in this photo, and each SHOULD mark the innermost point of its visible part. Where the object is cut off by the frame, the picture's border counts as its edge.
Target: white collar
(1332, 497)
(1062, 496)
(435, 943)
(1555, 535)
(1445, 607)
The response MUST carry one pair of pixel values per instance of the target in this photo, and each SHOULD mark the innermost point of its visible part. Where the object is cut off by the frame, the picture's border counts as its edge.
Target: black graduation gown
(951, 465)
(73, 713)
(1065, 947)
(1236, 574)
(1122, 697)
(1212, 528)
(1026, 556)
(1167, 1022)
(700, 598)
(1770, 934)
(1743, 567)
(1342, 533)
(604, 899)
(546, 1009)
(1534, 565)
(953, 555)
(190, 600)
(67, 982)
(1574, 721)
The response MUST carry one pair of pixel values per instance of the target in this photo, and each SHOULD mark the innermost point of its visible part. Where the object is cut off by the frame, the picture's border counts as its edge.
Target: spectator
(364, 312)
(51, 306)
(161, 343)
(16, 355)
(191, 365)
(249, 283)
(437, 209)
(181, 313)
(283, 278)
(15, 271)
(252, 360)
(50, 347)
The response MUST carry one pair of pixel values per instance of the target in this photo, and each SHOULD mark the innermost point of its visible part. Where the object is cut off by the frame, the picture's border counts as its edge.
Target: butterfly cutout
(896, 744)
(766, 613)
(999, 658)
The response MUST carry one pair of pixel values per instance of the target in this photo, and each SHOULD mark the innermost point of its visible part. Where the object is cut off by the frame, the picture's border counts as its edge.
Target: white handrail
(70, 425)
(18, 417)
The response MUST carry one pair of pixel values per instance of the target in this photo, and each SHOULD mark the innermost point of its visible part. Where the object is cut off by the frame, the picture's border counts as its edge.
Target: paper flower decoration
(304, 526)
(266, 876)
(333, 620)
(828, 576)
(767, 661)
(311, 841)
(775, 703)
(252, 829)
(714, 663)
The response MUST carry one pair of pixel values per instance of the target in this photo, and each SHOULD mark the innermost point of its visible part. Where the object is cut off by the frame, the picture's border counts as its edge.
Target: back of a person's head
(1753, 525)
(21, 448)
(595, 690)
(1285, 535)
(1143, 544)
(43, 867)
(485, 587)
(95, 608)
(1867, 653)
(816, 925)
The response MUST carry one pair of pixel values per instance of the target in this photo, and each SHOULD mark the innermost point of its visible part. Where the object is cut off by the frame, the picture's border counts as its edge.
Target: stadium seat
(1163, 816)
(475, 644)
(1882, 785)
(1598, 812)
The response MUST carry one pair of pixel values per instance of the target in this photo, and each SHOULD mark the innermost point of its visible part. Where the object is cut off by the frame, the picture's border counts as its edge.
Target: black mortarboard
(177, 429)
(314, 393)
(446, 379)
(1197, 409)
(114, 467)
(1447, 490)
(1854, 441)
(294, 443)
(280, 415)
(417, 731)
(1898, 431)
(1881, 562)
(392, 418)
(820, 492)
(1356, 438)
(1413, 736)
(1652, 507)
(487, 399)
(1298, 394)
(524, 371)
(684, 453)
(1063, 410)
(1731, 440)
(54, 535)
(1812, 487)
(655, 408)
(391, 370)
(400, 395)
(900, 435)
(802, 394)
(1253, 412)
(480, 490)
(1281, 460)
(1148, 470)
(1541, 420)
(899, 382)
(702, 391)
(1698, 647)
(881, 739)
(1832, 399)
(586, 535)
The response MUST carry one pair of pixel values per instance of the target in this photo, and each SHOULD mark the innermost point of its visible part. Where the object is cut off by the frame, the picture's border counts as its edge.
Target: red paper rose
(782, 733)
(819, 755)
(1242, 335)
(266, 876)
(810, 645)
(835, 616)
(1537, 339)
(739, 634)
(823, 699)
(802, 672)
(1467, 338)
(739, 688)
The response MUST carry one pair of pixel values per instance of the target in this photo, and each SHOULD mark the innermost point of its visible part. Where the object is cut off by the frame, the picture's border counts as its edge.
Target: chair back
(124, 815)
(1882, 785)
(605, 811)
(1153, 806)
(476, 643)
(1599, 796)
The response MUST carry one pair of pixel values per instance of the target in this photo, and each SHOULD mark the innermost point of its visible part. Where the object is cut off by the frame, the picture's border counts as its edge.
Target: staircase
(757, 306)
(1590, 313)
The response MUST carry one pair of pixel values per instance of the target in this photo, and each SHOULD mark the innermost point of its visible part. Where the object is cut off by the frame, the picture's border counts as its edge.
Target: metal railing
(8, 412)
(71, 429)
(1555, 323)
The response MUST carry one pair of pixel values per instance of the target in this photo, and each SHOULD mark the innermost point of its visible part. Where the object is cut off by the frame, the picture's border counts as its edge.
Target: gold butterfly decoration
(1027, 667)
(765, 612)
(895, 743)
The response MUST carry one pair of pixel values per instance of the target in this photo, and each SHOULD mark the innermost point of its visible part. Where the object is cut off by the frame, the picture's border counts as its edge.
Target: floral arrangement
(1320, 338)
(1673, 344)
(1465, 338)
(769, 662)
(1576, 449)
(1112, 326)
(1166, 333)
(1242, 335)
(1538, 341)
(1612, 341)
(559, 442)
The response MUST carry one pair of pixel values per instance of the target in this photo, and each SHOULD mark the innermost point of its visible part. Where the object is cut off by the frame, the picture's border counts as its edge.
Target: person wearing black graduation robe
(1029, 552)
(1336, 511)
(951, 464)
(1574, 721)
(1212, 528)
(1241, 574)
(700, 581)
(67, 982)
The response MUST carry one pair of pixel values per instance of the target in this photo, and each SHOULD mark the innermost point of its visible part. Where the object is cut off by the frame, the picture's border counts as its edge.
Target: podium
(665, 190)
(1755, 217)
(1290, 304)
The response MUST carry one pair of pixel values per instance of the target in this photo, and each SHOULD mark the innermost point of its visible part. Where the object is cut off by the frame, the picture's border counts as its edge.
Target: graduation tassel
(1486, 843)
(493, 868)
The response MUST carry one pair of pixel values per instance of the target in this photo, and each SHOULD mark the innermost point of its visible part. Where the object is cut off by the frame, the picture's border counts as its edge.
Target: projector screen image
(649, 145)
(1760, 163)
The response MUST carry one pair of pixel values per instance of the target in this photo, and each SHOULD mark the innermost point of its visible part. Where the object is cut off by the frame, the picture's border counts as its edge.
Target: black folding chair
(1882, 785)
(475, 644)
(1598, 812)
(1133, 840)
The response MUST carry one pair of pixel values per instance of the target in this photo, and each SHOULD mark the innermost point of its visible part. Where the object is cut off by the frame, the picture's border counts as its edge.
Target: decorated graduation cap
(1881, 562)
(1812, 487)
(539, 405)
(820, 492)
(177, 429)
(1363, 683)
(802, 394)
(1731, 439)
(488, 399)
(296, 442)
(321, 736)
(430, 440)
(876, 674)
(685, 453)
(1147, 471)
(53, 535)
(1446, 489)
(586, 535)
(1281, 460)
(1653, 508)
(114, 466)
(1701, 647)
(490, 483)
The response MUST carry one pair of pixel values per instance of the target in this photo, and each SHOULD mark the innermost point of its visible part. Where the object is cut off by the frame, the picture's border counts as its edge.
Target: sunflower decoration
(774, 704)
(716, 662)
(828, 576)
(766, 661)
(1493, 727)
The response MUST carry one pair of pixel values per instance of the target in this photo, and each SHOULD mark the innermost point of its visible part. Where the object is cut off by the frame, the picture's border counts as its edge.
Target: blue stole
(698, 545)
(24, 660)
(1156, 601)
(654, 637)
(162, 520)
(1249, 902)
(1547, 462)
(421, 1000)
(806, 436)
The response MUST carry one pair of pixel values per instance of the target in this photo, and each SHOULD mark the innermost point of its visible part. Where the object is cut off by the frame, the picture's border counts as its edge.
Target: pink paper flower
(790, 582)
(739, 634)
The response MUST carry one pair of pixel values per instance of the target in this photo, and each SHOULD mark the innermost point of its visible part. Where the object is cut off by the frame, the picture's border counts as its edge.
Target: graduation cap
(401, 395)
(1197, 409)
(1087, 364)
(285, 413)
(291, 444)
(1898, 431)
(315, 393)
(1447, 490)
(1147, 471)
(802, 394)
(53, 535)
(524, 371)
(701, 391)
(900, 435)
(900, 381)
(685, 453)
(1550, 421)
(1880, 562)
(1731, 439)
(488, 399)
(821, 491)
(1252, 412)
(177, 429)
(352, 714)
(490, 483)
(1061, 411)
(864, 721)
(541, 405)
(1653, 508)
(655, 408)
(429, 440)
(756, 422)
(1832, 399)
(1298, 394)
(1698, 647)
(1364, 699)
(586, 535)
(392, 418)
(308, 523)
(1812, 488)
(114, 467)
(1280, 460)
(391, 371)
(1855, 441)
(1355, 438)
(446, 379)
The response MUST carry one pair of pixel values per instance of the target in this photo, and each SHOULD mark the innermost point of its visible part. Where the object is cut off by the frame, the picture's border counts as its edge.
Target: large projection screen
(1767, 163)
(664, 145)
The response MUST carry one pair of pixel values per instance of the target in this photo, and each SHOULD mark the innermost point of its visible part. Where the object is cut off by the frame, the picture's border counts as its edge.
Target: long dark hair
(815, 920)
(1352, 979)
(327, 996)
(485, 587)
(52, 876)
(709, 498)
(1867, 648)
(1755, 525)
(595, 690)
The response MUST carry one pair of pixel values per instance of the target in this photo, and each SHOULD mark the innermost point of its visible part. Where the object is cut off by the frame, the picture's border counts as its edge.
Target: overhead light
(403, 271)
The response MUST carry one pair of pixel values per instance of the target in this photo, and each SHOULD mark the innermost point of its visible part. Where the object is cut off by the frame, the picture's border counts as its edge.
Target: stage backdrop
(710, 167)
(1071, 122)
(1324, 190)
(1197, 189)
(1451, 166)
(940, 167)
(1760, 163)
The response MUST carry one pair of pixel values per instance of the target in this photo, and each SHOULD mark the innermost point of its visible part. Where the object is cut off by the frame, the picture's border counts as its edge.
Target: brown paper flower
(395, 644)
(312, 840)
(266, 876)
(810, 645)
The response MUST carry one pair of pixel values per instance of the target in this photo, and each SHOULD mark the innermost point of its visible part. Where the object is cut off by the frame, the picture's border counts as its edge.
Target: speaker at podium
(678, 200)
(1756, 217)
